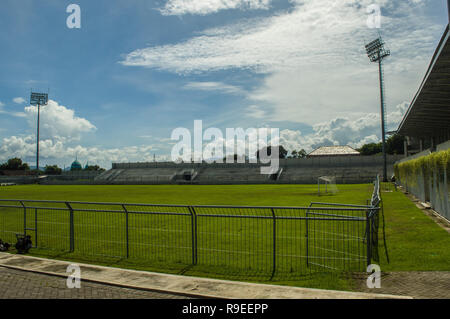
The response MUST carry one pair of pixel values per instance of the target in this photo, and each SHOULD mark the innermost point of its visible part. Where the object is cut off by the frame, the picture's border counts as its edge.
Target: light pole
(376, 53)
(38, 99)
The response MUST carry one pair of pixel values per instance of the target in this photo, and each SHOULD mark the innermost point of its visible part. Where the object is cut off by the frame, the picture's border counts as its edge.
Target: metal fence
(272, 240)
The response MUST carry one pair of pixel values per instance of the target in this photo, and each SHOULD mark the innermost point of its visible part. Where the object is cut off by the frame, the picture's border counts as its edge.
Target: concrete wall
(18, 179)
(335, 161)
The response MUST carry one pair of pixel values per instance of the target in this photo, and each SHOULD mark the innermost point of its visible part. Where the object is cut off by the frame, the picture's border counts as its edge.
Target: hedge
(426, 164)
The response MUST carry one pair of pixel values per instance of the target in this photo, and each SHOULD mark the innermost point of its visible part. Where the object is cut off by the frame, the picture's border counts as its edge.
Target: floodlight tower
(376, 53)
(38, 99)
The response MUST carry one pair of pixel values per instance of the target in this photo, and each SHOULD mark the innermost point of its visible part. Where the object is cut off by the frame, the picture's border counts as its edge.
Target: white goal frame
(329, 182)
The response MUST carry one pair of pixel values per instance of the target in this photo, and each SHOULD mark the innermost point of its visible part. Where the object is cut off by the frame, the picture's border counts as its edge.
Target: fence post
(368, 237)
(71, 228)
(274, 265)
(194, 234)
(126, 230)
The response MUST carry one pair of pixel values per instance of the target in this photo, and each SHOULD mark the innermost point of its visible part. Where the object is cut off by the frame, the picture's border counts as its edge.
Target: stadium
(318, 221)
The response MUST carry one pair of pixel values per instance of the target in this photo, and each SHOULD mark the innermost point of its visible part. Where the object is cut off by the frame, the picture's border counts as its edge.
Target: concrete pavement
(175, 284)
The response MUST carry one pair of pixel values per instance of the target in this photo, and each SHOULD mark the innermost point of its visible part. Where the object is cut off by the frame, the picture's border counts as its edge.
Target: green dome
(76, 166)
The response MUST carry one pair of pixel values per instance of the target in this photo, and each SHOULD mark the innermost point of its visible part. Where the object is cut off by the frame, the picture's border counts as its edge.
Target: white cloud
(58, 121)
(316, 31)
(2, 104)
(203, 7)
(214, 86)
(60, 131)
(57, 150)
(19, 100)
(354, 131)
(311, 59)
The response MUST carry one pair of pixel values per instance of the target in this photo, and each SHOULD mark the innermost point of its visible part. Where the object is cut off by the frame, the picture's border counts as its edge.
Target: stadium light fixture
(376, 53)
(39, 99)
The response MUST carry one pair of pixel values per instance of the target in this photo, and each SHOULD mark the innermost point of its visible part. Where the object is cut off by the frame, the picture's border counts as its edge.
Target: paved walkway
(19, 284)
(170, 284)
(418, 284)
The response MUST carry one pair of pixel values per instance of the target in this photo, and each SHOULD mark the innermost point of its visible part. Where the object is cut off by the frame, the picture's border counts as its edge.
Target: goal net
(326, 185)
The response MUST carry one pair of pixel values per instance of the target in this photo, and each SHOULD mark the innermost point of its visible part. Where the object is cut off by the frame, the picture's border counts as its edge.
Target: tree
(370, 149)
(14, 164)
(282, 153)
(298, 154)
(53, 170)
(94, 168)
(394, 145)
(302, 153)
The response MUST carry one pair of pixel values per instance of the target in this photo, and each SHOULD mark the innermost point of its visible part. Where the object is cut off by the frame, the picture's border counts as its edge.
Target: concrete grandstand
(346, 169)
(425, 171)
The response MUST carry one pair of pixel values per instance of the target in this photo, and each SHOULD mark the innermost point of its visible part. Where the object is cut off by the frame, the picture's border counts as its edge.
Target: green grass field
(414, 241)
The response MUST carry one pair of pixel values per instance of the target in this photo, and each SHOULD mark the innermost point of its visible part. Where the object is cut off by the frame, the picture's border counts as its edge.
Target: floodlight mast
(38, 99)
(376, 53)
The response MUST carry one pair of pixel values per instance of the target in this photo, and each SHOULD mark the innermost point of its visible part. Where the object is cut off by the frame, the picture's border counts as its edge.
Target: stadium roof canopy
(429, 112)
(334, 151)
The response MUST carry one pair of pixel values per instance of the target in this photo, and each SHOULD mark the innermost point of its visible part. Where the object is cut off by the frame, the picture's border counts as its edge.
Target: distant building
(334, 151)
(76, 166)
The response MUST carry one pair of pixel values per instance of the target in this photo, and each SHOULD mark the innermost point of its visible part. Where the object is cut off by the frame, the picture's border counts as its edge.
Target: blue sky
(136, 70)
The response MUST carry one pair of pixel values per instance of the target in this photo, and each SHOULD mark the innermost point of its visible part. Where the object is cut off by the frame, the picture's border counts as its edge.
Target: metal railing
(255, 239)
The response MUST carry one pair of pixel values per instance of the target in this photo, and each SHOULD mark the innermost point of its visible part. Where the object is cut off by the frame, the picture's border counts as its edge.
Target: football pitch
(414, 241)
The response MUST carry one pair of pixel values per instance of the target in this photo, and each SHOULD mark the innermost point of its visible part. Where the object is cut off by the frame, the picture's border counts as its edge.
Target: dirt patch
(21, 262)
(417, 284)
(63, 268)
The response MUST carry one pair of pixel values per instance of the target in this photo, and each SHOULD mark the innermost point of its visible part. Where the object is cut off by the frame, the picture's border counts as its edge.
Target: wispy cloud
(203, 7)
(316, 32)
(19, 100)
(10, 113)
(214, 86)
(311, 59)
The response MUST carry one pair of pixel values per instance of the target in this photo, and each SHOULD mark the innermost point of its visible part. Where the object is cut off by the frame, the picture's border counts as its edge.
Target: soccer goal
(326, 185)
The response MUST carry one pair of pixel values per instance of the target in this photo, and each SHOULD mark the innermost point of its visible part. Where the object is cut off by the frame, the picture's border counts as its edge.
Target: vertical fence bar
(307, 239)
(274, 261)
(24, 218)
(194, 234)
(35, 227)
(71, 228)
(126, 230)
